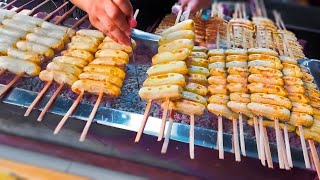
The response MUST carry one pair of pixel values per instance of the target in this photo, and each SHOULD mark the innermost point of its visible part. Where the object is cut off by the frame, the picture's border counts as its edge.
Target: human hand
(195, 5)
(112, 17)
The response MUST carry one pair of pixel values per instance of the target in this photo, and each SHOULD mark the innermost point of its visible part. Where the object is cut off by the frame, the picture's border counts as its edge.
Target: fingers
(113, 30)
(125, 6)
(118, 17)
(132, 22)
(112, 17)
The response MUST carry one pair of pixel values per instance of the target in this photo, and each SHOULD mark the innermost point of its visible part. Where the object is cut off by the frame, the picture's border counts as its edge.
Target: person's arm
(113, 17)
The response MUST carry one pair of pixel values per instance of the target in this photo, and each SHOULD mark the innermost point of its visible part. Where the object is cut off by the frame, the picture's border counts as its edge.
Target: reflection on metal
(136, 33)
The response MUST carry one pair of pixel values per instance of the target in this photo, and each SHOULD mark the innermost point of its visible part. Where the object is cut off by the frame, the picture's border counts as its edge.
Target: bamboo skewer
(191, 137)
(37, 99)
(50, 102)
(80, 21)
(167, 135)
(220, 124)
(70, 111)
(35, 8)
(91, 117)
(267, 149)
(236, 140)
(65, 15)
(262, 143)
(304, 148)
(23, 6)
(286, 139)
(11, 83)
(284, 153)
(164, 119)
(277, 128)
(178, 16)
(144, 121)
(257, 134)
(55, 11)
(9, 4)
(188, 11)
(220, 138)
(315, 157)
(136, 13)
(242, 141)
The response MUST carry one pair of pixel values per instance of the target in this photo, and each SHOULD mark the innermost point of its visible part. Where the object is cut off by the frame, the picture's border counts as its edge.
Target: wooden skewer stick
(242, 142)
(218, 37)
(188, 11)
(228, 36)
(313, 167)
(65, 15)
(251, 39)
(244, 39)
(136, 13)
(315, 157)
(144, 121)
(236, 140)
(50, 102)
(37, 99)
(213, 9)
(262, 144)
(24, 6)
(8, 86)
(9, 4)
(80, 21)
(164, 119)
(167, 135)
(55, 11)
(35, 8)
(191, 137)
(277, 128)
(304, 148)
(287, 142)
(70, 111)
(256, 132)
(91, 117)
(244, 12)
(220, 138)
(178, 16)
(267, 149)
(284, 153)
(234, 38)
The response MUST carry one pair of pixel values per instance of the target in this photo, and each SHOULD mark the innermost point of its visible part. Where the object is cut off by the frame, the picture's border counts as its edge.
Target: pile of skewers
(275, 92)
(28, 44)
